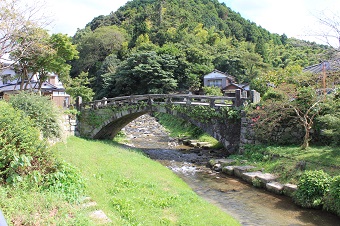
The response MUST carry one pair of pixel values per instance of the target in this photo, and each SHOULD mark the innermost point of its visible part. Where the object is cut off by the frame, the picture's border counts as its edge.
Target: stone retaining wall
(69, 125)
(289, 132)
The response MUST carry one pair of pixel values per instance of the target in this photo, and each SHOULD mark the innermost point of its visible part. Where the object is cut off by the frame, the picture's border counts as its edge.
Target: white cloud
(68, 15)
(295, 18)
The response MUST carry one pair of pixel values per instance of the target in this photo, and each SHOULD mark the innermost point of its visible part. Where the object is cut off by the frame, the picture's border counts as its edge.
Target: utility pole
(324, 78)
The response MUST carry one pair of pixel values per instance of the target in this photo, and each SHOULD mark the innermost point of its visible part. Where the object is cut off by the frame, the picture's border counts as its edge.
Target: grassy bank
(179, 128)
(134, 190)
(289, 162)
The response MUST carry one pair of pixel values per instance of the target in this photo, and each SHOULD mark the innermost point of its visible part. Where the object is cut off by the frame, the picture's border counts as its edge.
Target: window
(216, 82)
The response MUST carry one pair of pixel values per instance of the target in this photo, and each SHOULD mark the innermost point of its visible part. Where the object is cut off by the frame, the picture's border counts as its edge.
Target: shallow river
(249, 205)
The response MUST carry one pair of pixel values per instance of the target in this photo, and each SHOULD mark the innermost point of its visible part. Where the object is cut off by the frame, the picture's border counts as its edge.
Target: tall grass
(134, 190)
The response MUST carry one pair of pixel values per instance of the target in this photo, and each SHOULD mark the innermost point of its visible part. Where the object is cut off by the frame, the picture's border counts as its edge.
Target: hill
(180, 41)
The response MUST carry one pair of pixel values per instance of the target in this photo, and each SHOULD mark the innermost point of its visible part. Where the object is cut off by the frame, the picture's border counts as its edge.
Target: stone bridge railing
(103, 119)
(212, 101)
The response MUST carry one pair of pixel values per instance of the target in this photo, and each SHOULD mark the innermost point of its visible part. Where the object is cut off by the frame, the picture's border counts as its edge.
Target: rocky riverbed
(145, 131)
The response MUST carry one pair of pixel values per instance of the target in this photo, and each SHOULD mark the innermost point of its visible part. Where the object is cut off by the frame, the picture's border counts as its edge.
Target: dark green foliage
(312, 187)
(21, 149)
(43, 113)
(332, 198)
(145, 72)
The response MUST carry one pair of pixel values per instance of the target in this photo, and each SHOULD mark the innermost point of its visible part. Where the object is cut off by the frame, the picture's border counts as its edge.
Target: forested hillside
(153, 46)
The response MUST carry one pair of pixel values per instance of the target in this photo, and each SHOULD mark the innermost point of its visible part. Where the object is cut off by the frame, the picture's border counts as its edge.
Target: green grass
(283, 160)
(134, 190)
(22, 206)
(180, 128)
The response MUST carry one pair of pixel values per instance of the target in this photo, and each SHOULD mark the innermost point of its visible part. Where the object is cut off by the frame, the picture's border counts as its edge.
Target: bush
(212, 91)
(312, 187)
(21, 150)
(332, 198)
(41, 110)
(65, 181)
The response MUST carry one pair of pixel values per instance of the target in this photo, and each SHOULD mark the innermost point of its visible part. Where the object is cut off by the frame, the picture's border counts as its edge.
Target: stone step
(250, 176)
(265, 180)
(275, 187)
(266, 177)
(229, 170)
(289, 189)
(239, 170)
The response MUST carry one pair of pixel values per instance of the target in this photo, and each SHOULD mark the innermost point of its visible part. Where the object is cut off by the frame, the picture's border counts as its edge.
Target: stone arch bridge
(217, 116)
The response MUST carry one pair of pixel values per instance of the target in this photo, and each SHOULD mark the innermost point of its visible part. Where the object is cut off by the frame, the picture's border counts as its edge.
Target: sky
(295, 18)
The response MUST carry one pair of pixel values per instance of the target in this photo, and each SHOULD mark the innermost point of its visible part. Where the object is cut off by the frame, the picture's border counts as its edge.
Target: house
(10, 85)
(218, 79)
(230, 89)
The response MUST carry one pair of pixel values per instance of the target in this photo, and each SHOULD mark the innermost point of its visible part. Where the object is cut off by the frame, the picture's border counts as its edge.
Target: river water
(249, 205)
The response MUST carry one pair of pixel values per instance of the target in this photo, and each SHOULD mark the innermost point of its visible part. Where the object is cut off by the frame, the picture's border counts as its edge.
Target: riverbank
(281, 169)
(248, 204)
(286, 162)
(132, 189)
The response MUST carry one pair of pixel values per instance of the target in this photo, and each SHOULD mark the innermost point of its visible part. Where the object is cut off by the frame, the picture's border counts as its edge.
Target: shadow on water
(250, 205)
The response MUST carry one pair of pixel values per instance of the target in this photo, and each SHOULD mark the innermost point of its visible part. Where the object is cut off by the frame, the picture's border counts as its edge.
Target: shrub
(332, 198)
(21, 150)
(212, 91)
(65, 181)
(41, 110)
(312, 187)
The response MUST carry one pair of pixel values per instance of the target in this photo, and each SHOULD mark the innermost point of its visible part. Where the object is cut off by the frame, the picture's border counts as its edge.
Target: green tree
(79, 87)
(58, 62)
(33, 49)
(144, 72)
(95, 46)
(43, 54)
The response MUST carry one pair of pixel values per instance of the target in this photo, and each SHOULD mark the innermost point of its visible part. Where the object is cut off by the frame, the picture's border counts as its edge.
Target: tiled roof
(32, 85)
(232, 78)
(333, 65)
